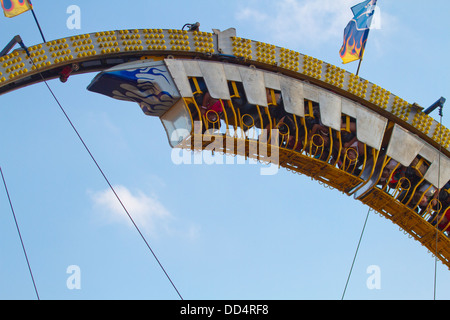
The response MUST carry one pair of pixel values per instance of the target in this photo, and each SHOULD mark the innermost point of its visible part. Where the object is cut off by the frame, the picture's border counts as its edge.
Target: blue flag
(357, 31)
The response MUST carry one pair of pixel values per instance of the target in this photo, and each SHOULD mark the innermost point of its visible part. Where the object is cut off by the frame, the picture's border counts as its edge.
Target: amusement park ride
(217, 91)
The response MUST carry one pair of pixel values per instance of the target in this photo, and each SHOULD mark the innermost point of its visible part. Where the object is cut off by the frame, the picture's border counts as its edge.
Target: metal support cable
(439, 207)
(356, 253)
(20, 235)
(110, 185)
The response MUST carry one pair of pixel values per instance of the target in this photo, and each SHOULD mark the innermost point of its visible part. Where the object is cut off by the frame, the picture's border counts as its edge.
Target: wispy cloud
(308, 22)
(147, 211)
(149, 214)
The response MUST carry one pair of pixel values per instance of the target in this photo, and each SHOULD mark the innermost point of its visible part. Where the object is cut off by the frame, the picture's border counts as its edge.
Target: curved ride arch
(274, 105)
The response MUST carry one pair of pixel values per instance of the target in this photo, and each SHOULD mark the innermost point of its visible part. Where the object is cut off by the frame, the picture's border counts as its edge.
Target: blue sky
(220, 231)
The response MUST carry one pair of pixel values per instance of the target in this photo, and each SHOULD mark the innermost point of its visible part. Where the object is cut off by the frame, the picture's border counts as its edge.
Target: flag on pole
(12, 8)
(357, 31)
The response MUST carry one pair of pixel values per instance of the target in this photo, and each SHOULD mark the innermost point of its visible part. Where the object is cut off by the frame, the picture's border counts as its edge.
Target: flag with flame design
(12, 8)
(357, 31)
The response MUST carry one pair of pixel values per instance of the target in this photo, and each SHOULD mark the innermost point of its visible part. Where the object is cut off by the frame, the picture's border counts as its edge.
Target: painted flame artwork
(353, 47)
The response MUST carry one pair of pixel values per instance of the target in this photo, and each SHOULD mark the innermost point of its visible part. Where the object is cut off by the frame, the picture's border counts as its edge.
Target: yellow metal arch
(101, 50)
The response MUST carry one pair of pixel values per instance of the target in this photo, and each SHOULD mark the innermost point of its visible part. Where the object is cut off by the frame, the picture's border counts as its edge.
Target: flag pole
(359, 65)
(39, 27)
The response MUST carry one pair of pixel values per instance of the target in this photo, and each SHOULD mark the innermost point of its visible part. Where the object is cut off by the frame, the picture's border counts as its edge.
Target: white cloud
(193, 232)
(149, 214)
(308, 22)
(147, 211)
(251, 14)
